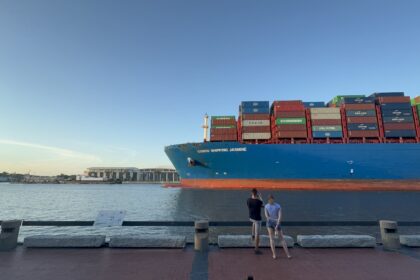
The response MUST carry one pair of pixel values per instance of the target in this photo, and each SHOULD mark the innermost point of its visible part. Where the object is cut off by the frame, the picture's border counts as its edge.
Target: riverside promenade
(111, 263)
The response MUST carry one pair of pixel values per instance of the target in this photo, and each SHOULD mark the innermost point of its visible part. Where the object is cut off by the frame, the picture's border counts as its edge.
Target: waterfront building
(133, 174)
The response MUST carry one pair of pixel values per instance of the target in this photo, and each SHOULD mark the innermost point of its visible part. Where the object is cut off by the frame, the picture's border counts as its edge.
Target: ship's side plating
(233, 160)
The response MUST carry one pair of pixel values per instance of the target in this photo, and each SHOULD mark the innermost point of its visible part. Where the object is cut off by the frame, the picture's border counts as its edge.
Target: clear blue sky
(110, 83)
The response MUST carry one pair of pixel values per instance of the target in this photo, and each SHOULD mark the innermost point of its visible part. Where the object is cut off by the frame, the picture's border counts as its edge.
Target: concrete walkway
(108, 263)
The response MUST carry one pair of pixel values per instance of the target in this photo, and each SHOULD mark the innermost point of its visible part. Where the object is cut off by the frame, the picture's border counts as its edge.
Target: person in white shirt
(272, 212)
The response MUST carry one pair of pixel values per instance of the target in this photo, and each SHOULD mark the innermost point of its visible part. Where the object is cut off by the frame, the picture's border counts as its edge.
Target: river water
(155, 203)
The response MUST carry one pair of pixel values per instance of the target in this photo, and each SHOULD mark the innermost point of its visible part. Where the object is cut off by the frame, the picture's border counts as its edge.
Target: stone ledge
(64, 241)
(336, 241)
(127, 241)
(245, 241)
(410, 240)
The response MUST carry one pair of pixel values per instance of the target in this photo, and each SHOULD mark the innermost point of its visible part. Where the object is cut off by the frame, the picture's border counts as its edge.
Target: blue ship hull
(220, 161)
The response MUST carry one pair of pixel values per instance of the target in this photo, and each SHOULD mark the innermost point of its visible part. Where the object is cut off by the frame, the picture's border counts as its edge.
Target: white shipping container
(325, 110)
(256, 123)
(326, 116)
(256, 136)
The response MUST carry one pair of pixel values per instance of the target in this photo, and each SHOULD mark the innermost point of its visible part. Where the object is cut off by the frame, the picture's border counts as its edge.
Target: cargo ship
(354, 142)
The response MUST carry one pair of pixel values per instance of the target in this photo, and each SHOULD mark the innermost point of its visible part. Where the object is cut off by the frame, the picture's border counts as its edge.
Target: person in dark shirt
(255, 204)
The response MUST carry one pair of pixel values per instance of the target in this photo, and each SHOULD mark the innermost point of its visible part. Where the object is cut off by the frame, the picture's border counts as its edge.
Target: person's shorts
(272, 224)
(257, 226)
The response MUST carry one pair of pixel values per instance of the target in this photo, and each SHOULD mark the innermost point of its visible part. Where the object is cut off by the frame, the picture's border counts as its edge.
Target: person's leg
(284, 244)
(257, 226)
(253, 231)
(272, 244)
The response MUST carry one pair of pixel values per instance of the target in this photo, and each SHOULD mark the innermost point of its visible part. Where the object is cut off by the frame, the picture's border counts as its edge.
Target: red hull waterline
(322, 185)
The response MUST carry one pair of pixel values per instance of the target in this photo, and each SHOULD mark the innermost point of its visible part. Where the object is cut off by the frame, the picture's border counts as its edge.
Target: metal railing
(214, 223)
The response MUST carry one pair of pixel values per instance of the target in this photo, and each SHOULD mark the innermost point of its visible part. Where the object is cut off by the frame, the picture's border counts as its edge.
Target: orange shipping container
(291, 134)
(362, 120)
(359, 106)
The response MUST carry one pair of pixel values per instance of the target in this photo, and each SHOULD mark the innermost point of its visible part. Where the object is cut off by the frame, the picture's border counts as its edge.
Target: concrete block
(410, 240)
(64, 241)
(336, 241)
(245, 241)
(127, 241)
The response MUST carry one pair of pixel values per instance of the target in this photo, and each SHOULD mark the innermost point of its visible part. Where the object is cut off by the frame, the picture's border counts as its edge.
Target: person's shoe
(257, 252)
(274, 257)
(289, 257)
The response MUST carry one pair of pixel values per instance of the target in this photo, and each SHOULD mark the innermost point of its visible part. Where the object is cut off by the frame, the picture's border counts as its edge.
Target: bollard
(201, 236)
(389, 235)
(9, 234)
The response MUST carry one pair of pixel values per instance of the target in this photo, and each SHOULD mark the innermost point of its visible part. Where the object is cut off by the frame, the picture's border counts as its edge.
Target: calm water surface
(152, 202)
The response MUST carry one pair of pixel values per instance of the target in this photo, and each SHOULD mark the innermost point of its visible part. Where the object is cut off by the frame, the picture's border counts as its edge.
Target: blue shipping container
(253, 104)
(398, 119)
(396, 106)
(362, 126)
(254, 110)
(360, 113)
(397, 113)
(316, 104)
(326, 134)
(400, 133)
(358, 100)
(387, 94)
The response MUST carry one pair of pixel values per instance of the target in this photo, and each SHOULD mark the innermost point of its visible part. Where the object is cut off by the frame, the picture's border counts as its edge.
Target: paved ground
(123, 264)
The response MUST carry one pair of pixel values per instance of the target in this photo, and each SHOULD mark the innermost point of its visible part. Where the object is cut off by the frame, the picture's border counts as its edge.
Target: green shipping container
(339, 98)
(223, 118)
(290, 121)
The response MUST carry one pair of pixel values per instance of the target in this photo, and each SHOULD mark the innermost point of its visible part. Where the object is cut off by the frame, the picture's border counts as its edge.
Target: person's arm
(279, 218)
(266, 214)
(260, 198)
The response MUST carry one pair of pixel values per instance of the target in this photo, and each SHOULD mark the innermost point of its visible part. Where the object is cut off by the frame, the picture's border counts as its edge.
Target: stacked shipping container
(289, 119)
(223, 128)
(361, 117)
(326, 123)
(385, 117)
(397, 115)
(255, 120)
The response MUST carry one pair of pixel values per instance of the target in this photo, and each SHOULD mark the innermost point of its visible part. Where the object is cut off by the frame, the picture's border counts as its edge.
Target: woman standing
(273, 215)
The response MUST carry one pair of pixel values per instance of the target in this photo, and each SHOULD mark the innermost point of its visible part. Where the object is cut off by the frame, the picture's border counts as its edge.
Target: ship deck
(106, 263)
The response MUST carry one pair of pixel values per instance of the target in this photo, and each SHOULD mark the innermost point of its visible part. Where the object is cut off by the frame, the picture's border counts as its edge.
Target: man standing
(255, 203)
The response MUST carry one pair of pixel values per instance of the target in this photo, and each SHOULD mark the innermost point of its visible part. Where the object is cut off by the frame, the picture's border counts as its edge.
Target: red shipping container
(291, 127)
(326, 122)
(220, 131)
(363, 133)
(291, 134)
(359, 106)
(290, 114)
(223, 122)
(362, 120)
(288, 108)
(394, 99)
(399, 126)
(287, 103)
(255, 116)
(255, 129)
(223, 138)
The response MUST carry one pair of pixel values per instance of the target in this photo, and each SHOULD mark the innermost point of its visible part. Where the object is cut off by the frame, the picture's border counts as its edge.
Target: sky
(110, 83)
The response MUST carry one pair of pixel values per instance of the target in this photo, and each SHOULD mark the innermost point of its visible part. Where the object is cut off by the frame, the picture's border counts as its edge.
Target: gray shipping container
(327, 128)
(256, 136)
(256, 123)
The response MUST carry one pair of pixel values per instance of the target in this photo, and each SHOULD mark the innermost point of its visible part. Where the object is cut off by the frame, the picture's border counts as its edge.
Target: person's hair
(254, 191)
(271, 197)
